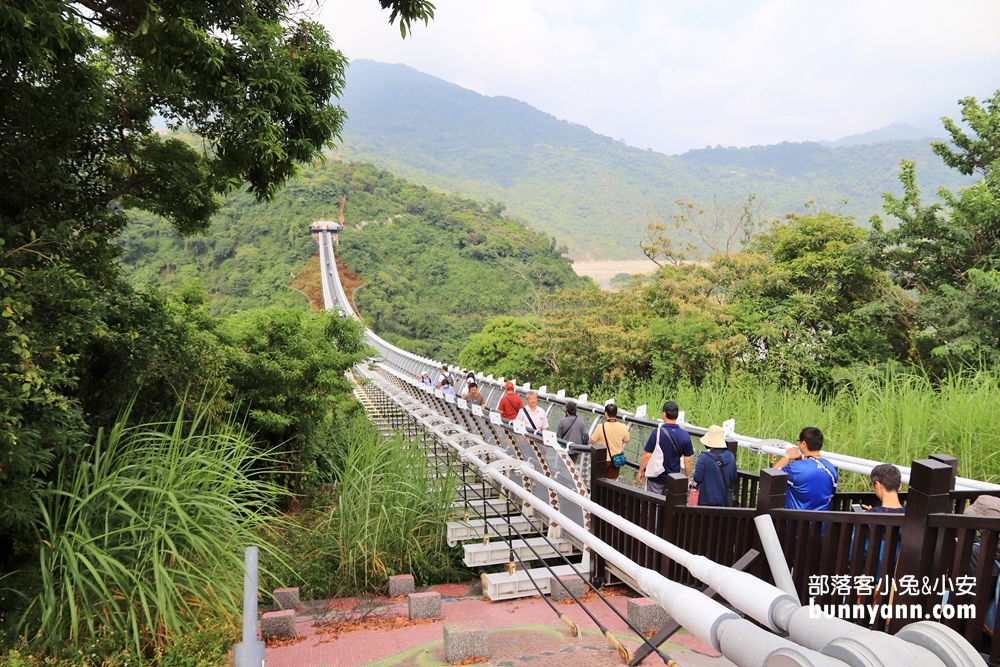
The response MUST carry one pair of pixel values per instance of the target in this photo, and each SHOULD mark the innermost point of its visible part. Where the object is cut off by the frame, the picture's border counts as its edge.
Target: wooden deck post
(930, 482)
(950, 460)
(676, 492)
(771, 491)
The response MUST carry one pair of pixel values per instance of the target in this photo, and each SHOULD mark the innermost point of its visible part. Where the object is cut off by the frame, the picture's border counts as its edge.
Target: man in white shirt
(533, 416)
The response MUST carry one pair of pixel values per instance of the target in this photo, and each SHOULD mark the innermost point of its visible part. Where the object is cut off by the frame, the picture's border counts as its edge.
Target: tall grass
(144, 534)
(384, 516)
(889, 414)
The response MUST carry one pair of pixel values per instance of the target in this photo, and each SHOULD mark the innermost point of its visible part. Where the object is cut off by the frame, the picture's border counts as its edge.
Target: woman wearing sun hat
(715, 471)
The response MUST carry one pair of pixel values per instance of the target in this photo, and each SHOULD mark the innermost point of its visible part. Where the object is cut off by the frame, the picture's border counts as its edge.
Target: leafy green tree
(80, 85)
(286, 371)
(947, 252)
(802, 297)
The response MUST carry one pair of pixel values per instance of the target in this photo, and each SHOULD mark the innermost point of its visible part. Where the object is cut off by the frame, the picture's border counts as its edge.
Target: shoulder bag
(618, 460)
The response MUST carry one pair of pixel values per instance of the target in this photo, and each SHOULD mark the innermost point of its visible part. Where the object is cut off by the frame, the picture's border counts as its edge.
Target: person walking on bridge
(474, 396)
(612, 434)
(533, 416)
(571, 428)
(667, 447)
(812, 480)
(510, 403)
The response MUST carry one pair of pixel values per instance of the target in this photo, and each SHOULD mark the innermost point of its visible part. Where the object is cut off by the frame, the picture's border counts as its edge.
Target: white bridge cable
(767, 604)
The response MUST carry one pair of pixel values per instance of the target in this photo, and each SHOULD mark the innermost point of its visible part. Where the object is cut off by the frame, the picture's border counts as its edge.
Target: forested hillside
(595, 194)
(434, 267)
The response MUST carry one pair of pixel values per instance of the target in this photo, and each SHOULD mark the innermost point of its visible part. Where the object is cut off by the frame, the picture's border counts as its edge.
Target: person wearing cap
(474, 396)
(470, 379)
(510, 403)
(675, 446)
(425, 378)
(571, 428)
(612, 434)
(886, 480)
(531, 415)
(446, 387)
(715, 472)
(812, 480)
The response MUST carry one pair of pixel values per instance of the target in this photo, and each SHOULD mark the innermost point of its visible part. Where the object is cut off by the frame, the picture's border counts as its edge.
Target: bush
(384, 516)
(143, 536)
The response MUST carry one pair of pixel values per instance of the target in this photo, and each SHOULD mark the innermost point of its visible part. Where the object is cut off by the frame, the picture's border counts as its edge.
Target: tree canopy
(80, 86)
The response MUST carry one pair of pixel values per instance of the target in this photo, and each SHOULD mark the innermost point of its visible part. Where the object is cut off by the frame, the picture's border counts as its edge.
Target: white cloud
(680, 75)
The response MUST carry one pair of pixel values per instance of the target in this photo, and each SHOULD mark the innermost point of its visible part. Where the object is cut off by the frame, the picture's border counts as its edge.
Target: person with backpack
(612, 434)
(665, 449)
(571, 428)
(715, 472)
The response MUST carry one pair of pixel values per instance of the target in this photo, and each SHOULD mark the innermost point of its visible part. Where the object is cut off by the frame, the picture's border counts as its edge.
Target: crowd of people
(812, 479)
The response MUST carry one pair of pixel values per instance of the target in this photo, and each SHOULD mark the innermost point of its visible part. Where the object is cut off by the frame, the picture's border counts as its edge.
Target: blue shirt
(811, 483)
(714, 481)
(671, 462)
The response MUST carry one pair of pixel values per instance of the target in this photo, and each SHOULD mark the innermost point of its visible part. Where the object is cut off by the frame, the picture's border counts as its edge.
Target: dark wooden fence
(838, 557)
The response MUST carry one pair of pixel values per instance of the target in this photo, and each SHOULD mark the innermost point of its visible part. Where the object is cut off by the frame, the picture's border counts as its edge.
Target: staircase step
(461, 531)
(502, 586)
(497, 552)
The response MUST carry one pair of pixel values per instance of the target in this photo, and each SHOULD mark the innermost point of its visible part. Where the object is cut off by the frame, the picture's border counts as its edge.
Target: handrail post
(598, 471)
(930, 482)
(249, 652)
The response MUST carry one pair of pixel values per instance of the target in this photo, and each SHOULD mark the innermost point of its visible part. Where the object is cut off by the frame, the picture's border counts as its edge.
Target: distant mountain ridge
(594, 194)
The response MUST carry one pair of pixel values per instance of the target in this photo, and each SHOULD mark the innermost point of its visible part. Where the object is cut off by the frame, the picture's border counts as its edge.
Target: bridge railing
(835, 557)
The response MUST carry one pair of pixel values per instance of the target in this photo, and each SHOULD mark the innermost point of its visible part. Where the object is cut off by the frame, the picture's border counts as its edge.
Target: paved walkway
(377, 633)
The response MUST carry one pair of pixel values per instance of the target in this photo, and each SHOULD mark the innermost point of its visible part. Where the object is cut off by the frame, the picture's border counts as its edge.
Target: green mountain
(434, 268)
(594, 194)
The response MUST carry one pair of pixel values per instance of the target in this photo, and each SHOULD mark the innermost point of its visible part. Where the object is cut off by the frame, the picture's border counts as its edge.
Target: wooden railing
(839, 557)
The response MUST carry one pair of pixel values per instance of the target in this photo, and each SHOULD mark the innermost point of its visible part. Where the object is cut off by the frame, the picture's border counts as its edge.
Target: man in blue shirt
(675, 444)
(812, 479)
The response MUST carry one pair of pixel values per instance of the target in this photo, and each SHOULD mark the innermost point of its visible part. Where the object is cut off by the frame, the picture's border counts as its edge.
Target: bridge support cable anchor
(624, 652)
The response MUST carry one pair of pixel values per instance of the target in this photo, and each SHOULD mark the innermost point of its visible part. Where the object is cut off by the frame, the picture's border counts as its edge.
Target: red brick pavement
(521, 631)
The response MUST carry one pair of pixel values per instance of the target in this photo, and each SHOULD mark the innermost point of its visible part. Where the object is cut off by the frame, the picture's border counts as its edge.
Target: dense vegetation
(435, 266)
(594, 194)
(805, 301)
(124, 485)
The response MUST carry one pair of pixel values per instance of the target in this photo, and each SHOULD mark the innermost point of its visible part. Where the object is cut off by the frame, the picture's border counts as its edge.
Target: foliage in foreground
(384, 516)
(144, 535)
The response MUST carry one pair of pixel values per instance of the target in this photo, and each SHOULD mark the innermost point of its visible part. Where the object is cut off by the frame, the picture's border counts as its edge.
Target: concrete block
(646, 615)
(425, 605)
(286, 598)
(560, 589)
(465, 641)
(400, 584)
(278, 624)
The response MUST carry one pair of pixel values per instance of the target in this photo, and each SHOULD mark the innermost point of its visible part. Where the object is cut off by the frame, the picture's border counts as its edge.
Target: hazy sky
(678, 75)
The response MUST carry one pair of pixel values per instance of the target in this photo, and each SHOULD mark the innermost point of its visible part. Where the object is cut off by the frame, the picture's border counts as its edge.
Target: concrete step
(461, 531)
(502, 586)
(497, 552)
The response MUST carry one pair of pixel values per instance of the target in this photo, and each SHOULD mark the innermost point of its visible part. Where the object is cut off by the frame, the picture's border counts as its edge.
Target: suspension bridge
(753, 581)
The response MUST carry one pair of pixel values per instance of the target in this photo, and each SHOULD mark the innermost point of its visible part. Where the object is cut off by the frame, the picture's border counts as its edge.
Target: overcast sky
(678, 75)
